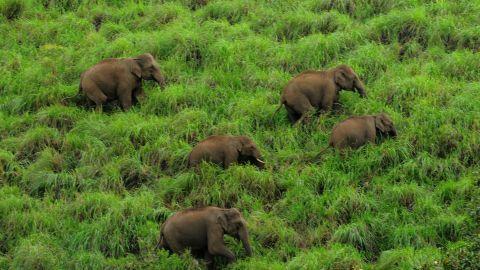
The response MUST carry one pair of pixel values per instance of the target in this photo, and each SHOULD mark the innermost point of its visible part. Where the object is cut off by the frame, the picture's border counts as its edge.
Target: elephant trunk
(360, 87)
(393, 132)
(258, 161)
(243, 236)
(157, 76)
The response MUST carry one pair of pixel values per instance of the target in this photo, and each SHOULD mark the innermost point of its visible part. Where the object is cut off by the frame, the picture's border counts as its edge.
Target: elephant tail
(282, 102)
(161, 243)
(279, 107)
(73, 97)
(80, 86)
(319, 155)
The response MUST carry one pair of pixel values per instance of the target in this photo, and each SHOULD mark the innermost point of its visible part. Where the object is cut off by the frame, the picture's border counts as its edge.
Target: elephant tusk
(260, 161)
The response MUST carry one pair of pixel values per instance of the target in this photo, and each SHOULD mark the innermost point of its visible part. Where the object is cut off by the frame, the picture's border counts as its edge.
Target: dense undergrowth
(83, 190)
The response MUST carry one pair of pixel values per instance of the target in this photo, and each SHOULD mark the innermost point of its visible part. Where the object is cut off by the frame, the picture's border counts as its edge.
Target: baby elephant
(202, 230)
(359, 130)
(225, 150)
(120, 78)
(318, 90)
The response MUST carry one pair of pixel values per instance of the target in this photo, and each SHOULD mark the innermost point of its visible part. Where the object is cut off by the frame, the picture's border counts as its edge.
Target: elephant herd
(201, 230)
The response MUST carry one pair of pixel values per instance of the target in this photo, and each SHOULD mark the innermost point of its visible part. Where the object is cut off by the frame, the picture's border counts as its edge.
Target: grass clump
(408, 258)
(343, 6)
(35, 140)
(346, 204)
(58, 117)
(232, 11)
(335, 257)
(38, 252)
(400, 26)
(303, 23)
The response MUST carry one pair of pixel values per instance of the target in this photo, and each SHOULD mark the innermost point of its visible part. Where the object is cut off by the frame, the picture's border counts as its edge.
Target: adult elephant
(356, 131)
(226, 150)
(120, 78)
(202, 231)
(318, 90)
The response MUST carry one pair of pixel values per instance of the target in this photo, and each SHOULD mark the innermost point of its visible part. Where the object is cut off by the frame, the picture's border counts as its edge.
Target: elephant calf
(225, 150)
(119, 78)
(202, 230)
(359, 130)
(317, 90)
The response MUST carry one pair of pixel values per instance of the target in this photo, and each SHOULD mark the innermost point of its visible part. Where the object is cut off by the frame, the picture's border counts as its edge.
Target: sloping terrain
(87, 190)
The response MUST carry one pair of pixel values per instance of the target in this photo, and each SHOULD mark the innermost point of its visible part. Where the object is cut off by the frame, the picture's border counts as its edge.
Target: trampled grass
(84, 190)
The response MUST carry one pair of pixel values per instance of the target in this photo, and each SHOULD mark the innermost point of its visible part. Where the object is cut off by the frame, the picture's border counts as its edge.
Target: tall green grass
(84, 190)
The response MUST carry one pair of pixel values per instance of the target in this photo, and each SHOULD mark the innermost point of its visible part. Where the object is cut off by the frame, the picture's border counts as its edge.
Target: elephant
(314, 90)
(120, 78)
(225, 150)
(356, 131)
(202, 231)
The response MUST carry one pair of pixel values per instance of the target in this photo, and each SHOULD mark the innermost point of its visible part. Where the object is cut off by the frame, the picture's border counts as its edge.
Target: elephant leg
(94, 94)
(292, 115)
(175, 247)
(229, 159)
(327, 105)
(221, 250)
(125, 96)
(216, 245)
(138, 95)
(302, 106)
(337, 106)
(209, 261)
(99, 108)
(305, 116)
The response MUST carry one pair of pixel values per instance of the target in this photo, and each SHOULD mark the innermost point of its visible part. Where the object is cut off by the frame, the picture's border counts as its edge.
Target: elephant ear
(340, 78)
(135, 67)
(240, 144)
(379, 123)
(222, 221)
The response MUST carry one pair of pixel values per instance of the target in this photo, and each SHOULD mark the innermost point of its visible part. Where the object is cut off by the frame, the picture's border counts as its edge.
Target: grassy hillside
(84, 190)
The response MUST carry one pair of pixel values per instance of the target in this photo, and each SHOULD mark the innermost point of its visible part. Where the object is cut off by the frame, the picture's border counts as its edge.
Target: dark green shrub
(12, 9)
(463, 255)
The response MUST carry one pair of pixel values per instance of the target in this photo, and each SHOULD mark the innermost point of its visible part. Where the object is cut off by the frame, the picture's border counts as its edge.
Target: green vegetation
(83, 190)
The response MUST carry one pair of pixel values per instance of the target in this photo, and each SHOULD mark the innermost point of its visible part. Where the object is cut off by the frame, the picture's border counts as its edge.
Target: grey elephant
(226, 150)
(201, 230)
(318, 90)
(356, 131)
(120, 78)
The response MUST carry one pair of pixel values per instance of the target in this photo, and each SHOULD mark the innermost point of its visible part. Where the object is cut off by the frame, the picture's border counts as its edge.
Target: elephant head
(384, 125)
(234, 225)
(345, 78)
(248, 152)
(147, 68)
